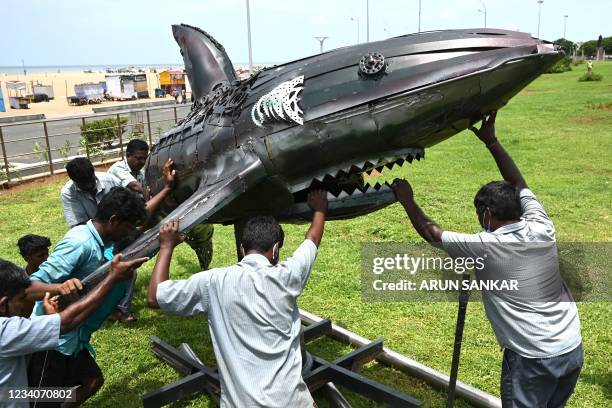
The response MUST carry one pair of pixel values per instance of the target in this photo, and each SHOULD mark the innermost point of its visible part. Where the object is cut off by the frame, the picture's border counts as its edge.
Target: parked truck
(127, 86)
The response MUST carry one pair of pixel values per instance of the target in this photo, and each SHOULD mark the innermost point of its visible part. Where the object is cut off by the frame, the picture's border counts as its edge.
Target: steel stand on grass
(464, 296)
(319, 374)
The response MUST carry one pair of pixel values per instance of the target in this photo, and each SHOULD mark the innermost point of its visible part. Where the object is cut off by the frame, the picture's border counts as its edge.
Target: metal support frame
(149, 128)
(86, 141)
(321, 375)
(473, 395)
(49, 158)
(120, 135)
(464, 297)
(6, 163)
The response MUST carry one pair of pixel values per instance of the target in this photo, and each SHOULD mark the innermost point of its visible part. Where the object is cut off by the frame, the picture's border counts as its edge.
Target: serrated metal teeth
(343, 194)
(363, 188)
(337, 173)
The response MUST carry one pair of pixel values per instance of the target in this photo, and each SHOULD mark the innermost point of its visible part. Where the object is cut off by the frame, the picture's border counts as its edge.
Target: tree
(589, 49)
(566, 44)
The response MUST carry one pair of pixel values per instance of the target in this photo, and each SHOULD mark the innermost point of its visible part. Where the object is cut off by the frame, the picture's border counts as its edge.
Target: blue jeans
(539, 382)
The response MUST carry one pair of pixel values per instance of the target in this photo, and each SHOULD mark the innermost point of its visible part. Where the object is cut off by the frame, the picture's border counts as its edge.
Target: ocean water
(95, 68)
(80, 68)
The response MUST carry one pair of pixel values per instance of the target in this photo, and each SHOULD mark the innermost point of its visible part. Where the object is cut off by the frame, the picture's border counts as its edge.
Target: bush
(562, 66)
(102, 131)
(590, 77)
(578, 61)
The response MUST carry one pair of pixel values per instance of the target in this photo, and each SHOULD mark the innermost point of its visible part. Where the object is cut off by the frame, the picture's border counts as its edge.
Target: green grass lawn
(560, 133)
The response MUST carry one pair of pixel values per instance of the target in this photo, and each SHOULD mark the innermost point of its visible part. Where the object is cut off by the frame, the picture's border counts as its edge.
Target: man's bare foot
(119, 316)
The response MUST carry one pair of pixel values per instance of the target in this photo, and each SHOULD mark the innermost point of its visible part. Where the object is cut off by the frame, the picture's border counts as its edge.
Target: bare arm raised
(505, 164)
(317, 200)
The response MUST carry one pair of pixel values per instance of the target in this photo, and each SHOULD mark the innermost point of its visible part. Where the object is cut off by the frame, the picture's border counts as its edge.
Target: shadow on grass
(602, 381)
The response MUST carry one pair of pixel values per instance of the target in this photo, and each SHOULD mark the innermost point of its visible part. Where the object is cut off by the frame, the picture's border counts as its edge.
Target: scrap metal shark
(257, 146)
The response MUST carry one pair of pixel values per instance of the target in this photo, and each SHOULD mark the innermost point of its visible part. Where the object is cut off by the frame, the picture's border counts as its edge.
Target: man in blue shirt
(80, 197)
(77, 255)
(21, 336)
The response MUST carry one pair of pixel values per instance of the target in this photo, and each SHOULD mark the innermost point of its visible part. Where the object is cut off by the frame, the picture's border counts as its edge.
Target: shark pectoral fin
(202, 205)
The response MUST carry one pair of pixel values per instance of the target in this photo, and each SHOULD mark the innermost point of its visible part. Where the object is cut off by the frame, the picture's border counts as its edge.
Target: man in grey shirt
(20, 336)
(82, 193)
(538, 324)
(252, 311)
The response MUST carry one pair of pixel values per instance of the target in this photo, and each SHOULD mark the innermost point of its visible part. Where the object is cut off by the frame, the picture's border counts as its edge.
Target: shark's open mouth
(357, 178)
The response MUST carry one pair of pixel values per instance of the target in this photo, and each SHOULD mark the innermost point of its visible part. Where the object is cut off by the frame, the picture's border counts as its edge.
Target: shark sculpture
(257, 146)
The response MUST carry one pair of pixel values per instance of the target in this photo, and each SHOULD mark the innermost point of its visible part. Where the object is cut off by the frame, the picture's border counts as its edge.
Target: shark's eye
(372, 64)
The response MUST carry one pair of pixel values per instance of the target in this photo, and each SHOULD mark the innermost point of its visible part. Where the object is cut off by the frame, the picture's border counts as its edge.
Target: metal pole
(419, 16)
(85, 138)
(564, 25)
(119, 134)
(248, 11)
(484, 11)
(464, 296)
(321, 40)
(367, 20)
(49, 159)
(175, 116)
(6, 163)
(402, 363)
(539, 14)
(149, 128)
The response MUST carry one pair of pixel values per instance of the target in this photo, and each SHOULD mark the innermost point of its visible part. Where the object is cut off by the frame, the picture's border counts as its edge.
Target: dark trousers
(539, 382)
(54, 369)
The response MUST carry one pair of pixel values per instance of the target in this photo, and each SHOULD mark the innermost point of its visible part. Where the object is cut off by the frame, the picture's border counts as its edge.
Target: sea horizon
(18, 69)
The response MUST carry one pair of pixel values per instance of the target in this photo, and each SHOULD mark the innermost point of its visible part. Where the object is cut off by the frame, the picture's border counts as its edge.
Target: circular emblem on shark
(280, 105)
(372, 64)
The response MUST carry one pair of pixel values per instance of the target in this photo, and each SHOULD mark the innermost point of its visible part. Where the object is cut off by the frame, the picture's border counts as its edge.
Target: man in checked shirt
(252, 311)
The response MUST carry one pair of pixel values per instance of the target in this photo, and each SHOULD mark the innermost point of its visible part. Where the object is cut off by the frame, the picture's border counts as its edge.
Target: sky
(99, 32)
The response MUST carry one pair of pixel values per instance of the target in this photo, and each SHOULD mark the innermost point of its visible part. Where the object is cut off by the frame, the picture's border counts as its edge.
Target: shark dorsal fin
(206, 62)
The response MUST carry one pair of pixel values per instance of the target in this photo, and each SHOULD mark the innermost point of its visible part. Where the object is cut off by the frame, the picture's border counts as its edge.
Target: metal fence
(41, 148)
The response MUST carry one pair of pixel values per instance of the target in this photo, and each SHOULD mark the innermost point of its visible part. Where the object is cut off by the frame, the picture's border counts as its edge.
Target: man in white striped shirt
(252, 311)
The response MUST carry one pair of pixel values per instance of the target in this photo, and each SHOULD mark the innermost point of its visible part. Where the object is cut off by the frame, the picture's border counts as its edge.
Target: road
(21, 140)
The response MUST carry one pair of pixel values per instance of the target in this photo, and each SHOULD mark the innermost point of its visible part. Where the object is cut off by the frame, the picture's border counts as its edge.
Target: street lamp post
(321, 40)
(565, 26)
(539, 14)
(367, 20)
(484, 11)
(419, 16)
(356, 19)
(248, 11)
